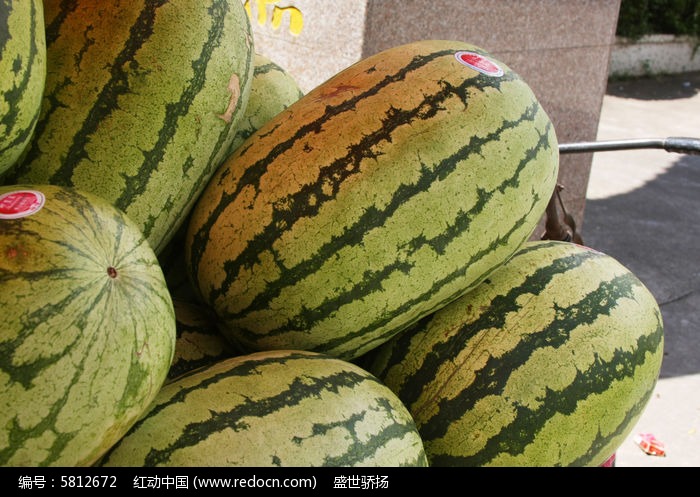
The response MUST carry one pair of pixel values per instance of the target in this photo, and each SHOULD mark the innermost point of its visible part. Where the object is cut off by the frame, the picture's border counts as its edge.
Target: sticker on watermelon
(479, 63)
(20, 203)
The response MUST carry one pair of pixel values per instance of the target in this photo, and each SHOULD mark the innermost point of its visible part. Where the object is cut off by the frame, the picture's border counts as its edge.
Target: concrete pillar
(561, 48)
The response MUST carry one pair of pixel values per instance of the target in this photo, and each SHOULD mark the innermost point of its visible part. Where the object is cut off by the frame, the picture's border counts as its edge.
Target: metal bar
(676, 144)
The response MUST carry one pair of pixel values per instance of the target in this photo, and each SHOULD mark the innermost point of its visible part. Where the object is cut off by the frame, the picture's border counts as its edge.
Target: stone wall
(654, 54)
(560, 47)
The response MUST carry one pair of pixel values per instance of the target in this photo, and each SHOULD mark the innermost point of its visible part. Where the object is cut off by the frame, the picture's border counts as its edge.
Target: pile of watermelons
(202, 266)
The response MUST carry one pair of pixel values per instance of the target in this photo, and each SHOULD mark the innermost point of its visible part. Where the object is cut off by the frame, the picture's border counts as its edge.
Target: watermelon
(23, 69)
(141, 104)
(87, 330)
(549, 362)
(378, 197)
(198, 340)
(273, 89)
(273, 408)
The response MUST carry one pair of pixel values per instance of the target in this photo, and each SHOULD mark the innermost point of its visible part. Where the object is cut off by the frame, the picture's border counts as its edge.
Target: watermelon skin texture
(23, 69)
(549, 362)
(273, 408)
(199, 342)
(378, 197)
(273, 89)
(142, 101)
(87, 329)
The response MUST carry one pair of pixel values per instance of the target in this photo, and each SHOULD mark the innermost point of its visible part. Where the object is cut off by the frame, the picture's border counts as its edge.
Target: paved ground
(643, 208)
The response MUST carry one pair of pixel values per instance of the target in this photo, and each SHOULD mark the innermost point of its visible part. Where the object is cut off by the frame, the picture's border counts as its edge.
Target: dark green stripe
(49, 104)
(5, 15)
(18, 436)
(183, 366)
(358, 449)
(266, 68)
(148, 290)
(23, 136)
(53, 28)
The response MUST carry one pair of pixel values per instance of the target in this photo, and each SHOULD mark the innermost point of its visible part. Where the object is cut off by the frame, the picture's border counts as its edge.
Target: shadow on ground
(653, 231)
(662, 87)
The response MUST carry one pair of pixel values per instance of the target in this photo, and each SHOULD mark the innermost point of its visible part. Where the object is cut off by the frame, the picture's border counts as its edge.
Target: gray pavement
(642, 208)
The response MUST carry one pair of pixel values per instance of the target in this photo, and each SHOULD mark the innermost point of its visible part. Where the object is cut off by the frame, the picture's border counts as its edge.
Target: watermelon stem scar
(112, 272)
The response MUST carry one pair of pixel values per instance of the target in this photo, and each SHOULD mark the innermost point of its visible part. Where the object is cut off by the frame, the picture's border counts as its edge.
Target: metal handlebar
(677, 144)
(560, 224)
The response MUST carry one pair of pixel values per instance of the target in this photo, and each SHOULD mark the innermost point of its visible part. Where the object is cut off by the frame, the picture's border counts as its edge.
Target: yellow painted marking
(296, 18)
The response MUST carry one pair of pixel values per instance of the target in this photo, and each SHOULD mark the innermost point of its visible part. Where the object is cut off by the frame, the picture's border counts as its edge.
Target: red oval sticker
(479, 63)
(20, 203)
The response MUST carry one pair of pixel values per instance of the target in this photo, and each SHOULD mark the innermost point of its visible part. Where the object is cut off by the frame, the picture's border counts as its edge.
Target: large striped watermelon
(549, 362)
(23, 70)
(378, 197)
(142, 101)
(87, 328)
(276, 408)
